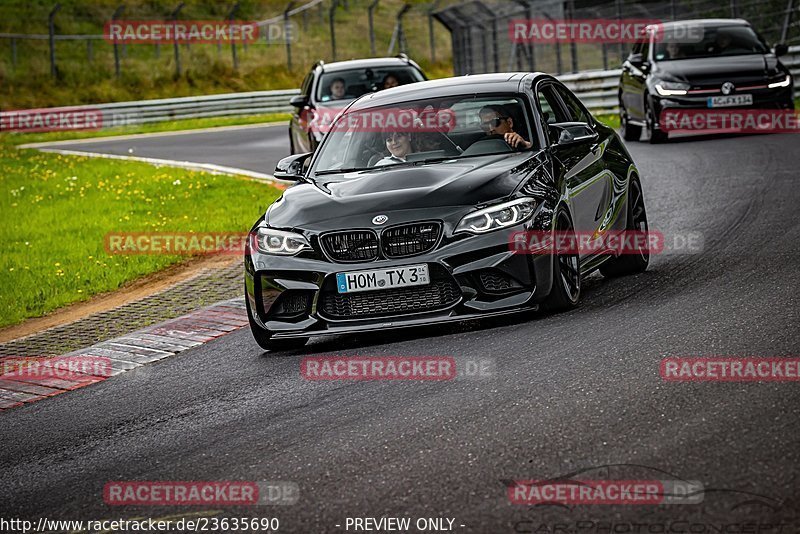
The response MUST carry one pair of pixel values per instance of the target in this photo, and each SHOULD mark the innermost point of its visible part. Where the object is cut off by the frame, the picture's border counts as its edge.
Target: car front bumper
(777, 99)
(473, 277)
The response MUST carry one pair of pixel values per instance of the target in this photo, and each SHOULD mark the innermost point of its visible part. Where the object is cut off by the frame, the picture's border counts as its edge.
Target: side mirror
(638, 61)
(780, 49)
(299, 101)
(292, 167)
(571, 133)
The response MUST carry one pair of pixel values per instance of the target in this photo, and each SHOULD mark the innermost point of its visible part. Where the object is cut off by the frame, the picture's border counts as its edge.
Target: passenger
(337, 89)
(399, 146)
(495, 120)
(674, 51)
(390, 81)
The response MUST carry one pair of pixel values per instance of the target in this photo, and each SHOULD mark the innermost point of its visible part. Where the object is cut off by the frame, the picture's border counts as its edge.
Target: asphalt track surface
(573, 391)
(254, 148)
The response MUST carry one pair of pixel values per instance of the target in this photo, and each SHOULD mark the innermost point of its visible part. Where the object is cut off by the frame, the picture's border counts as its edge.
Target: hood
(420, 191)
(718, 70)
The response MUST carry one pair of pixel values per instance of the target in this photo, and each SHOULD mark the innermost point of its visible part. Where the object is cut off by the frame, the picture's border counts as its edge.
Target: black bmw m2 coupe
(407, 212)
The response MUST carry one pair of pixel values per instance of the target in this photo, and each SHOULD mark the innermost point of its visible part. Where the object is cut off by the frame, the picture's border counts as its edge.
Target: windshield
(424, 130)
(350, 84)
(706, 41)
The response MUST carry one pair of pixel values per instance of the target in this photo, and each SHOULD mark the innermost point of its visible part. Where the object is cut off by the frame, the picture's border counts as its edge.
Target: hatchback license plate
(730, 100)
(410, 275)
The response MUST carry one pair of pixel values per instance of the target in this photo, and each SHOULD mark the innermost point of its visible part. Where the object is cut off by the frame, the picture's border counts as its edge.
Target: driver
(399, 146)
(495, 120)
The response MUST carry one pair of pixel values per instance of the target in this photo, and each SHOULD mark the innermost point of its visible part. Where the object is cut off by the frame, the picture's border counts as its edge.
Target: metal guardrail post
(115, 16)
(529, 47)
(51, 26)
(619, 19)
(787, 21)
(573, 48)
(174, 18)
(401, 35)
(231, 19)
(431, 37)
(370, 15)
(287, 34)
(331, 18)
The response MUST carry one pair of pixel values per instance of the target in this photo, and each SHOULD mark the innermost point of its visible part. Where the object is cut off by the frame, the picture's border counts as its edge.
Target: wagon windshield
(692, 42)
(422, 131)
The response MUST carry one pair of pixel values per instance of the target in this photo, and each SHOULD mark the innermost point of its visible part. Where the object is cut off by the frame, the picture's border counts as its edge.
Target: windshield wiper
(339, 171)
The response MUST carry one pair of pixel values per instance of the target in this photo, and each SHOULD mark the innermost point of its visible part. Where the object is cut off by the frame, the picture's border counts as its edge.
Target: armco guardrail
(596, 89)
(231, 104)
(167, 109)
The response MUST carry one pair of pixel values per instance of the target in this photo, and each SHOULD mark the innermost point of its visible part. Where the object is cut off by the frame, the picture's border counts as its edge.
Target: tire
(655, 136)
(630, 132)
(264, 338)
(637, 221)
(566, 290)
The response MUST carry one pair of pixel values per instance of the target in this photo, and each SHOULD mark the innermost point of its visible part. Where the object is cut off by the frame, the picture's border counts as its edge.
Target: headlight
(783, 83)
(271, 241)
(672, 88)
(496, 217)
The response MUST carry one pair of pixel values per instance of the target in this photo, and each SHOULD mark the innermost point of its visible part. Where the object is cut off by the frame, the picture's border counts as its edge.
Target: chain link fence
(53, 54)
(481, 40)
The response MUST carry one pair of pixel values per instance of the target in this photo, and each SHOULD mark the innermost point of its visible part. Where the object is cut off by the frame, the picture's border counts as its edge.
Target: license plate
(410, 275)
(730, 100)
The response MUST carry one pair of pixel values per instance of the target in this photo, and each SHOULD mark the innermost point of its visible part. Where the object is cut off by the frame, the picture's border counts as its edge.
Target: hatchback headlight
(496, 217)
(783, 83)
(672, 88)
(278, 242)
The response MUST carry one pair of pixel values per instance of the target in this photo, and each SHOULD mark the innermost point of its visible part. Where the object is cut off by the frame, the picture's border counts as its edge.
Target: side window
(646, 48)
(552, 111)
(577, 113)
(305, 89)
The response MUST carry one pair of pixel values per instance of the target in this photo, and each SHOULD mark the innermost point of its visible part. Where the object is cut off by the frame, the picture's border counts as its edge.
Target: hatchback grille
(438, 294)
(355, 245)
(409, 239)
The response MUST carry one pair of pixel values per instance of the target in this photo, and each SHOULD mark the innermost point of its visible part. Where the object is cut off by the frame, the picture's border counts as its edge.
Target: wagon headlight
(271, 241)
(496, 217)
(672, 88)
(783, 83)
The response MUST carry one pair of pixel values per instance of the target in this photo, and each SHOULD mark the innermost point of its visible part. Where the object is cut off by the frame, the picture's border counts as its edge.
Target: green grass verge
(18, 138)
(56, 210)
(608, 120)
